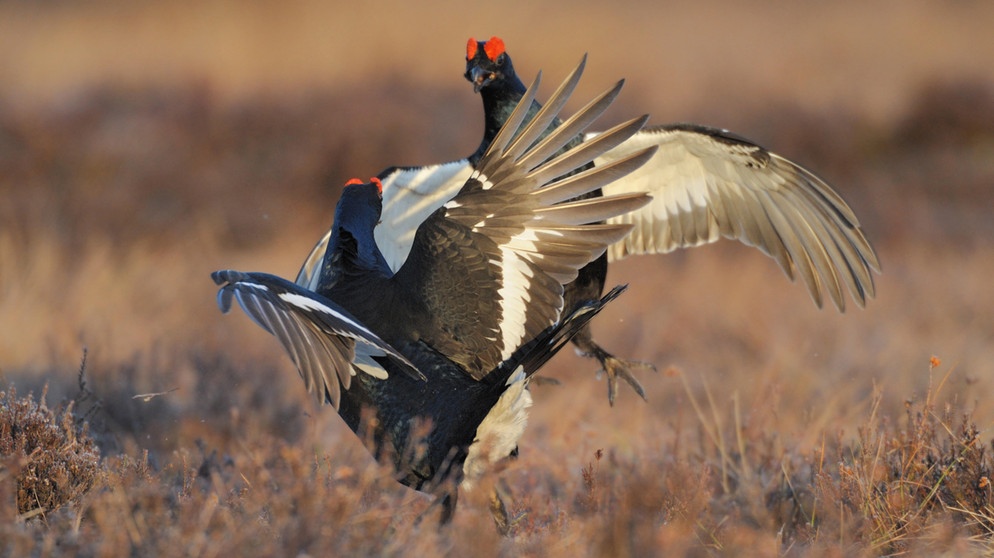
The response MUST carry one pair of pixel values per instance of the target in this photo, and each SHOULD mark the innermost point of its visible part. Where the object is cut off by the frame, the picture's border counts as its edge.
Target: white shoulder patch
(409, 197)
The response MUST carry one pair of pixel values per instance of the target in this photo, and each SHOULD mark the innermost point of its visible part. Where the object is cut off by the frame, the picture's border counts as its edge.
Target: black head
(360, 206)
(487, 64)
(356, 215)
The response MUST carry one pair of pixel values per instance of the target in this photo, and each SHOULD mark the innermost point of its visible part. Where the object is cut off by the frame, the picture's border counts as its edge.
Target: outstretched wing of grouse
(491, 263)
(707, 183)
(326, 343)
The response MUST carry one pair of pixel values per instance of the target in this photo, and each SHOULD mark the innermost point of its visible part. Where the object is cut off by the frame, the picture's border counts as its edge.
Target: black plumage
(449, 340)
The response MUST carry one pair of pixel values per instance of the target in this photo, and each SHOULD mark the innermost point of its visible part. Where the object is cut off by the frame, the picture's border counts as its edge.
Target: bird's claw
(618, 368)
(502, 519)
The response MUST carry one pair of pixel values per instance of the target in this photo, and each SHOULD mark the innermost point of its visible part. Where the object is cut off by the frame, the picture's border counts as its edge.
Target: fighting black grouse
(449, 340)
(706, 183)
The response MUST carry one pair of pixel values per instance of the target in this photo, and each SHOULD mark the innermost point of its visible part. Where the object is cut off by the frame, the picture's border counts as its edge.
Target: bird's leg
(588, 286)
(499, 512)
(446, 502)
(498, 493)
(610, 364)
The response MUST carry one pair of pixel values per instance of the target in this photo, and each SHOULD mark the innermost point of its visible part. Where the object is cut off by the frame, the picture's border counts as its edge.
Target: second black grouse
(706, 184)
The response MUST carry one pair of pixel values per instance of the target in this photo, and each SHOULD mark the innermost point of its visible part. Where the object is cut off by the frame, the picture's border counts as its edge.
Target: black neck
(498, 103)
(346, 256)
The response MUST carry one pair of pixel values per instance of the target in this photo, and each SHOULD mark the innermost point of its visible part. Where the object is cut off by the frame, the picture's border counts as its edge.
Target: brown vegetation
(46, 458)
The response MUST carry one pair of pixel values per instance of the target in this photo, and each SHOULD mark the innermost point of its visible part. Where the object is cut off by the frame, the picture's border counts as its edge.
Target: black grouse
(440, 351)
(706, 183)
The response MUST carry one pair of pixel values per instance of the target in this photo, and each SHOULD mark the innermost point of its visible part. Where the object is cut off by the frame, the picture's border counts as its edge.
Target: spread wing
(491, 263)
(707, 183)
(326, 343)
(410, 195)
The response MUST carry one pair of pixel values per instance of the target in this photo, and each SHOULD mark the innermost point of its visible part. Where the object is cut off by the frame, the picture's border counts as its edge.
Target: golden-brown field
(144, 145)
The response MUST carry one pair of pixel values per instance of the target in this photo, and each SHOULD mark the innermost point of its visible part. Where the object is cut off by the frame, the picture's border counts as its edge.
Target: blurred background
(145, 144)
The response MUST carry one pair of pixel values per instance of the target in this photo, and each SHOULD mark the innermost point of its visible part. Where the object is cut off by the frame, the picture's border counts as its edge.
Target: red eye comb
(471, 48)
(494, 48)
(373, 180)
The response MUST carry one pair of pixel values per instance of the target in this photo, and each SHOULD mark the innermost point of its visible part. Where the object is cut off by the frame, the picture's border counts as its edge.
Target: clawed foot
(502, 519)
(616, 368)
(613, 366)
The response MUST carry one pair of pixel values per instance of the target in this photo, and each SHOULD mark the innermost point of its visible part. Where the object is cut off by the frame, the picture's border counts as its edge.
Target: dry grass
(47, 458)
(774, 429)
(919, 484)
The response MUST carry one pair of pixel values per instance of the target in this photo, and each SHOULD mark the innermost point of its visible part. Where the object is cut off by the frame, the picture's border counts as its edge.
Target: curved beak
(480, 78)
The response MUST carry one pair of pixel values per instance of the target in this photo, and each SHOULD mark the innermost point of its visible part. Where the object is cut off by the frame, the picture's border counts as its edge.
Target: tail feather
(532, 356)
